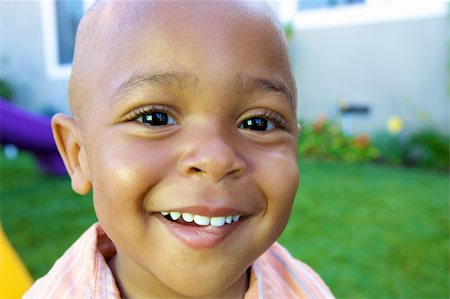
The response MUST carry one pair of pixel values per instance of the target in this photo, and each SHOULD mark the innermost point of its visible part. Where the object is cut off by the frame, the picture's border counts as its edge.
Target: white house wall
(396, 68)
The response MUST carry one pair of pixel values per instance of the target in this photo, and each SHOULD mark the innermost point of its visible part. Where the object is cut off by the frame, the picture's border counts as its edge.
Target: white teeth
(187, 217)
(201, 220)
(175, 215)
(217, 221)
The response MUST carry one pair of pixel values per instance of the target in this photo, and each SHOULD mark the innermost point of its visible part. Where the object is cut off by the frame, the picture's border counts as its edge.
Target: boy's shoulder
(82, 272)
(276, 274)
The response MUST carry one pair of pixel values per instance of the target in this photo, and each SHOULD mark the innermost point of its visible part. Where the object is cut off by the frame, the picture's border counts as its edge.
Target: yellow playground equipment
(14, 277)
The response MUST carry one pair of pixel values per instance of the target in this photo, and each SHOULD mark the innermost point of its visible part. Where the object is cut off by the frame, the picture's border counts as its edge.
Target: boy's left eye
(156, 119)
(257, 124)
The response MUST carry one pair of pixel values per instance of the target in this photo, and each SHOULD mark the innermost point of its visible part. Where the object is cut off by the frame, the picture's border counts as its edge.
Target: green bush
(6, 91)
(392, 147)
(323, 140)
(428, 148)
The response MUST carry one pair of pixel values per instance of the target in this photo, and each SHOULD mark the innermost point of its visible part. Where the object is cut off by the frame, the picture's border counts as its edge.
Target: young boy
(184, 126)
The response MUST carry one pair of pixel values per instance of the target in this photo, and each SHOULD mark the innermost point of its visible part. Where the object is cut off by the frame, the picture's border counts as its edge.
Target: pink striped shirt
(82, 272)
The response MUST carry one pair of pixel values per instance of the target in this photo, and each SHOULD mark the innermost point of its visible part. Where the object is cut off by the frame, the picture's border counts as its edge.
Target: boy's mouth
(192, 219)
(199, 231)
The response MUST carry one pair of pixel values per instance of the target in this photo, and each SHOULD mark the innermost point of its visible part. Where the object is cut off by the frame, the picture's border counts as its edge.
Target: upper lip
(210, 211)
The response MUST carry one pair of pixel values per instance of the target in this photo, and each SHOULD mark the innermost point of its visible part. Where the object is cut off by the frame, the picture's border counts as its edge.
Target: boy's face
(190, 111)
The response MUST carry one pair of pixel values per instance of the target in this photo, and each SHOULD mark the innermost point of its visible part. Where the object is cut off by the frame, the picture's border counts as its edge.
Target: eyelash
(277, 120)
(141, 111)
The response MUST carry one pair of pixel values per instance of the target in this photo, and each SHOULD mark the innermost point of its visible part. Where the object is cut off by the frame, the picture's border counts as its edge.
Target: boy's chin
(224, 276)
(211, 285)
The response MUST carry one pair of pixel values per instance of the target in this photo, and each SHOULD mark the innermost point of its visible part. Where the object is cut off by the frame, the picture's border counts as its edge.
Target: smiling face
(189, 112)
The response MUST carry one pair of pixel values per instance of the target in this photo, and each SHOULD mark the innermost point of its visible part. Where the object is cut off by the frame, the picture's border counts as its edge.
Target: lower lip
(200, 237)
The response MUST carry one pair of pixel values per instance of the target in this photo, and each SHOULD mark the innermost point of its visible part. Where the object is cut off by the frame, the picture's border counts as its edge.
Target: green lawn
(370, 231)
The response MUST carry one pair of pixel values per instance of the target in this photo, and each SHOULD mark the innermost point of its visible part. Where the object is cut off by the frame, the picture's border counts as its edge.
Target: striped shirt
(82, 272)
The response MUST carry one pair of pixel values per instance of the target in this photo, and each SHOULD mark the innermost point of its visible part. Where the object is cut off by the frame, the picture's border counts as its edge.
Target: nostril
(195, 170)
(212, 164)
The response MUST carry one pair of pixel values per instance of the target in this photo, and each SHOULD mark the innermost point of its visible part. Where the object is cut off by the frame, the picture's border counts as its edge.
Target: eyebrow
(158, 80)
(268, 85)
(185, 80)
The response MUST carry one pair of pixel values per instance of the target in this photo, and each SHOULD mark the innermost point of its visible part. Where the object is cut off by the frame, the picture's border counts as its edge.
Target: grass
(370, 231)
(40, 214)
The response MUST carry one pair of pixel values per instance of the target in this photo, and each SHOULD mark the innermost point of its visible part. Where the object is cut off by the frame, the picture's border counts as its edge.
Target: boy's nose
(212, 157)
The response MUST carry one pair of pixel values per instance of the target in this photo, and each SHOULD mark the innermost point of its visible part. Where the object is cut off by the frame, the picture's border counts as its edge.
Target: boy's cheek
(278, 177)
(123, 177)
(124, 171)
(280, 171)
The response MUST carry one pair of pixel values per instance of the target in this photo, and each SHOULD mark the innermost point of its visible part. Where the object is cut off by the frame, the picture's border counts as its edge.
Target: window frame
(53, 68)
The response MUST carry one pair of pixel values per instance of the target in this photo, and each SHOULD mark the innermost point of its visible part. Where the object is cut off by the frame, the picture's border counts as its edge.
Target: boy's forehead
(123, 13)
(111, 25)
(112, 30)
(114, 20)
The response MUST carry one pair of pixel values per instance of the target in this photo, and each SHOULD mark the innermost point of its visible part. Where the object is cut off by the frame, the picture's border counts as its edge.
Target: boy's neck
(133, 282)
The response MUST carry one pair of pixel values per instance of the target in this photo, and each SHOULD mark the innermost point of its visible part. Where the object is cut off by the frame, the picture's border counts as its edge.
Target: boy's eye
(257, 124)
(156, 119)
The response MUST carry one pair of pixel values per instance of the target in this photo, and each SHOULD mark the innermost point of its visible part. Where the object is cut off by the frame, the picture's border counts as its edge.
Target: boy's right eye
(156, 119)
(152, 116)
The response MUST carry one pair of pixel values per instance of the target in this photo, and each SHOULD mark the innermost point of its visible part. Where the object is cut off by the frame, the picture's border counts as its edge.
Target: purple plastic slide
(30, 132)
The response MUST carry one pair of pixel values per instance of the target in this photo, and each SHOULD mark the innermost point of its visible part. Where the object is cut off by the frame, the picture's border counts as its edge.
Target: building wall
(396, 68)
(22, 62)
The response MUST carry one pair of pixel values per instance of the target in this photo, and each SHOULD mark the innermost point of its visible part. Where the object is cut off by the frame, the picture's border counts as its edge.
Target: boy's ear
(68, 139)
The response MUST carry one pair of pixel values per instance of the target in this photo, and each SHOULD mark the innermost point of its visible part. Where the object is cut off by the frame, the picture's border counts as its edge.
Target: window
(306, 14)
(313, 4)
(68, 15)
(60, 20)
